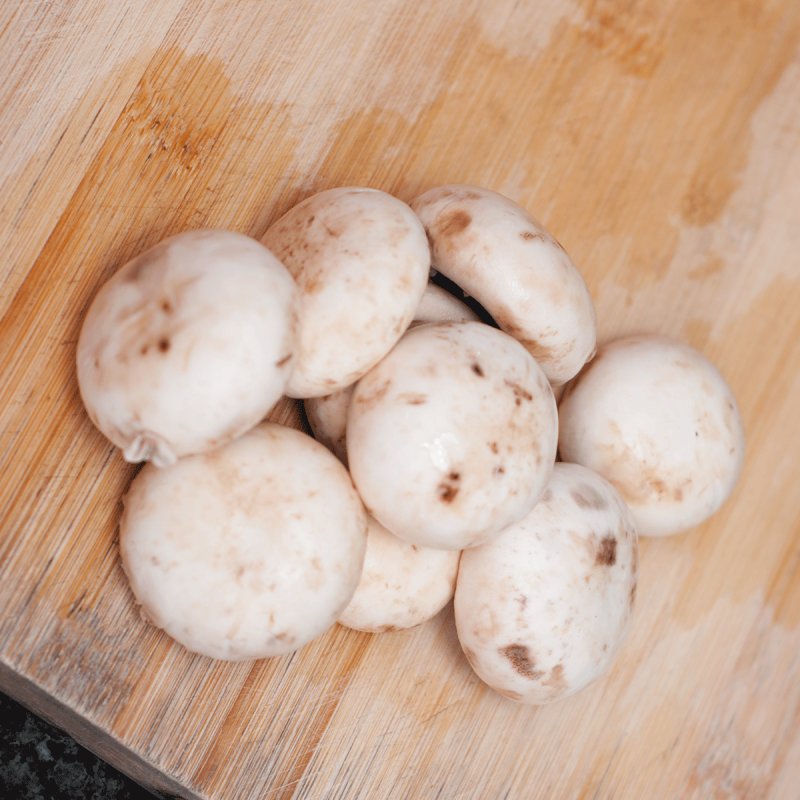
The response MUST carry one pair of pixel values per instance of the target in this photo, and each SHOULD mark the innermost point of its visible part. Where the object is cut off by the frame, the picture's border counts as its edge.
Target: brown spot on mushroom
(386, 629)
(163, 345)
(586, 496)
(607, 551)
(449, 488)
(478, 370)
(547, 496)
(494, 448)
(555, 680)
(454, 223)
(310, 283)
(522, 599)
(413, 399)
(333, 232)
(632, 596)
(521, 660)
(497, 471)
(529, 236)
(166, 306)
(145, 348)
(285, 360)
(520, 393)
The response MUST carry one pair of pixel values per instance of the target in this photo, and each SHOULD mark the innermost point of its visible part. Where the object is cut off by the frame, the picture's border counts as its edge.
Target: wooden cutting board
(660, 141)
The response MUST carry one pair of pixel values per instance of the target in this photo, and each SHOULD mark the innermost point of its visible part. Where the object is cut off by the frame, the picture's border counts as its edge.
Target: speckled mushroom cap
(402, 584)
(249, 551)
(542, 610)
(361, 261)
(187, 346)
(656, 418)
(327, 415)
(496, 252)
(452, 436)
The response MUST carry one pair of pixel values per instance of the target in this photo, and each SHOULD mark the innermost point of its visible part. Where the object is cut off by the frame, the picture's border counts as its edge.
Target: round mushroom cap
(361, 262)
(542, 610)
(187, 346)
(452, 437)
(655, 417)
(496, 252)
(327, 415)
(402, 584)
(249, 551)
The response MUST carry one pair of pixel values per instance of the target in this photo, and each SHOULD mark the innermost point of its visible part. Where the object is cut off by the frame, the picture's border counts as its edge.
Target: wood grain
(659, 141)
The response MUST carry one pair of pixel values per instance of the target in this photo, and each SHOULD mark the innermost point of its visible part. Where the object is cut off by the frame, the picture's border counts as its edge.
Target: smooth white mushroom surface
(248, 551)
(361, 262)
(542, 610)
(439, 305)
(496, 252)
(187, 346)
(402, 584)
(657, 419)
(327, 415)
(452, 436)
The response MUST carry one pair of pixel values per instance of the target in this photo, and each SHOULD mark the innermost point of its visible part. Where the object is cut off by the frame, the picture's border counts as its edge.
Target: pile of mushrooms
(433, 470)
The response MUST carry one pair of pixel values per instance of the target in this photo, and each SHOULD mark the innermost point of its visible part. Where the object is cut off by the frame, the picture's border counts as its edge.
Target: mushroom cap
(361, 262)
(187, 346)
(452, 436)
(249, 551)
(327, 415)
(542, 610)
(439, 305)
(655, 417)
(496, 252)
(402, 584)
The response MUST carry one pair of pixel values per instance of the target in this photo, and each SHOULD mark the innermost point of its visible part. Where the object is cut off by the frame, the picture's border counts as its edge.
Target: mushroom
(438, 305)
(402, 584)
(655, 417)
(249, 551)
(327, 418)
(496, 252)
(187, 346)
(452, 437)
(361, 261)
(327, 415)
(542, 610)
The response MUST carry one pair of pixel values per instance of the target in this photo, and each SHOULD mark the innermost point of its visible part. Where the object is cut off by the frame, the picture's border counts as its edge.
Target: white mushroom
(187, 346)
(361, 261)
(496, 252)
(438, 305)
(402, 584)
(327, 415)
(656, 418)
(542, 610)
(249, 551)
(452, 436)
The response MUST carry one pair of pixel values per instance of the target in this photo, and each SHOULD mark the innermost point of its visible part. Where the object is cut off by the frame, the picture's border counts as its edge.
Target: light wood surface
(660, 141)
